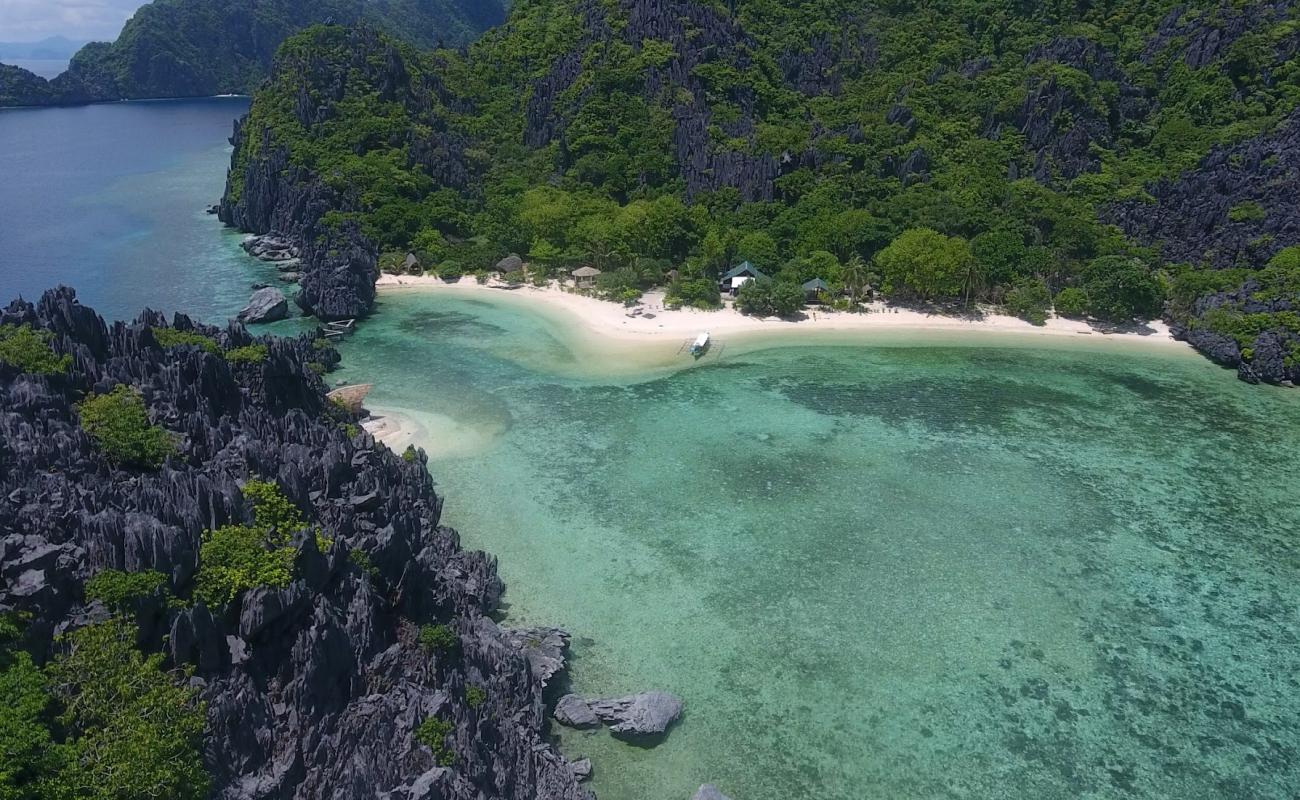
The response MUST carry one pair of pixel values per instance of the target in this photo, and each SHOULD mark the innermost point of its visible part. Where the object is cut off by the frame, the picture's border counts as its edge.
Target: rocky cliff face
(339, 266)
(1240, 205)
(313, 690)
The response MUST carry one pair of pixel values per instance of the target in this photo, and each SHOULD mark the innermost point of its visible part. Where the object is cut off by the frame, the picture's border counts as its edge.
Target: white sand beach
(610, 321)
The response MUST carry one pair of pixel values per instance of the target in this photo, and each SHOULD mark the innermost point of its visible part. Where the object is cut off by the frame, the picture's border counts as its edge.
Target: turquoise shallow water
(938, 572)
(872, 572)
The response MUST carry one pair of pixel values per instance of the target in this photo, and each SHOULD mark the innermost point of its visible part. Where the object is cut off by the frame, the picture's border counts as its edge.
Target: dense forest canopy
(1119, 152)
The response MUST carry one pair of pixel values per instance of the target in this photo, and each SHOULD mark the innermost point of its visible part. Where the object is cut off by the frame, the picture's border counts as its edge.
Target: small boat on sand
(700, 345)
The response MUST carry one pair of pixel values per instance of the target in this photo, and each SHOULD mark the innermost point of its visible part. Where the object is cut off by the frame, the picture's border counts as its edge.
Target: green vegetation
(250, 354)
(171, 337)
(29, 350)
(910, 166)
(236, 558)
(475, 696)
(769, 298)
(433, 733)
(118, 590)
(119, 424)
(437, 638)
(362, 559)
(194, 48)
(1072, 302)
(924, 263)
(100, 722)
(1029, 301)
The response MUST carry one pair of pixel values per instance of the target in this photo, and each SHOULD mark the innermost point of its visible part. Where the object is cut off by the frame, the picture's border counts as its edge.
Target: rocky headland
(313, 689)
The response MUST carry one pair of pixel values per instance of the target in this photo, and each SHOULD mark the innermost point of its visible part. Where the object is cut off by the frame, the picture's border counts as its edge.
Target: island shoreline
(598, 322)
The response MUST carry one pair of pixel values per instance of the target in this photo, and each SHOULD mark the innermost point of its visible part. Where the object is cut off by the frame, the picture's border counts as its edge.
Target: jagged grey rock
(647, 714)
(581, 768)
(266, 305)
(313, 690)
(573, 711)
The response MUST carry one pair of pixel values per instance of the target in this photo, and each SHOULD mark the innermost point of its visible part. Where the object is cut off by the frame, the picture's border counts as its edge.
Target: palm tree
(855, 273)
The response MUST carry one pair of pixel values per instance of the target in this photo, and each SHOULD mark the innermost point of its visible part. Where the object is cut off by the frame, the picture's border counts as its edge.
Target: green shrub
(437, 638)
(1072, 302)
(29, 350)
(119, 424)
(250, 354)
(475, 696)
(1248, 211)
(362, 559)
(433, 733)
(410, 455)
(237, 558)
(170, 337)
(701, 293)
(1029, 301)
(118, 590)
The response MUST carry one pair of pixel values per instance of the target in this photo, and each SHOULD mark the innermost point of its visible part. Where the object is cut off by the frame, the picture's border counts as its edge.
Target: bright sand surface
(609, 323)
(605, 340)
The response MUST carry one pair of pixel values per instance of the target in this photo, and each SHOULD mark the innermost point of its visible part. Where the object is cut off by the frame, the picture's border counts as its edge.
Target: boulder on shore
(511, 263)
(647, 714)
(266, 305)
(709, 792)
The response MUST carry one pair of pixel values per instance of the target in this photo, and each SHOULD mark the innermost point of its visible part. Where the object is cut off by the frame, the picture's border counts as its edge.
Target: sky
(95, 20)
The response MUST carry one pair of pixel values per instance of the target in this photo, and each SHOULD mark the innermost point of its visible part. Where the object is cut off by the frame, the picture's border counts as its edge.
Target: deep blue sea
(110, 199)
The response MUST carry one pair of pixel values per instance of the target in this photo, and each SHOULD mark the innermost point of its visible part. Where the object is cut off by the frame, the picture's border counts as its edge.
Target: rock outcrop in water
(266, 305)
(313, 690)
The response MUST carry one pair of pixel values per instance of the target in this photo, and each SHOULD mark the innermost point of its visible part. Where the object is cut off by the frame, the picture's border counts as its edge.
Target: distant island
(53, 48)
(1106, 165)
(199, 48)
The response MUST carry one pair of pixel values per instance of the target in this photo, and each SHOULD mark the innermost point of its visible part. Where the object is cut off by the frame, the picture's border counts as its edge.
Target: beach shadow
(1135, 328)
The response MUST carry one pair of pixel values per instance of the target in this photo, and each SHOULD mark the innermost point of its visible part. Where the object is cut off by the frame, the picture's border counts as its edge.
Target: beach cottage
(814, 289)
(738, 276)
(585, 277)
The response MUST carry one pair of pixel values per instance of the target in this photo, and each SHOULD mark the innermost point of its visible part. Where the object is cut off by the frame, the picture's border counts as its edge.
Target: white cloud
(30, 20)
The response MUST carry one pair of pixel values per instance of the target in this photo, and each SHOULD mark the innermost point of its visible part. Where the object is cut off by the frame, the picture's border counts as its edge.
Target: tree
(924, 263)
(769, 298)
(1001, 254)
(758, 249)
(236, 558)
(855, 276)
(119, 424)
(29, 350)
(1120, 289)
(1072, 302)
(133, 732)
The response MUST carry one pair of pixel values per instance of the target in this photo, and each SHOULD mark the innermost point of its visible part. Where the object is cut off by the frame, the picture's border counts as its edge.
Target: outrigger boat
(700, 345)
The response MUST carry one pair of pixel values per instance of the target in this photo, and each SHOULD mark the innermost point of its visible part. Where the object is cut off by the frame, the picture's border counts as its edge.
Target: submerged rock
(709, 792)
(266, 305)
(647, 714)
